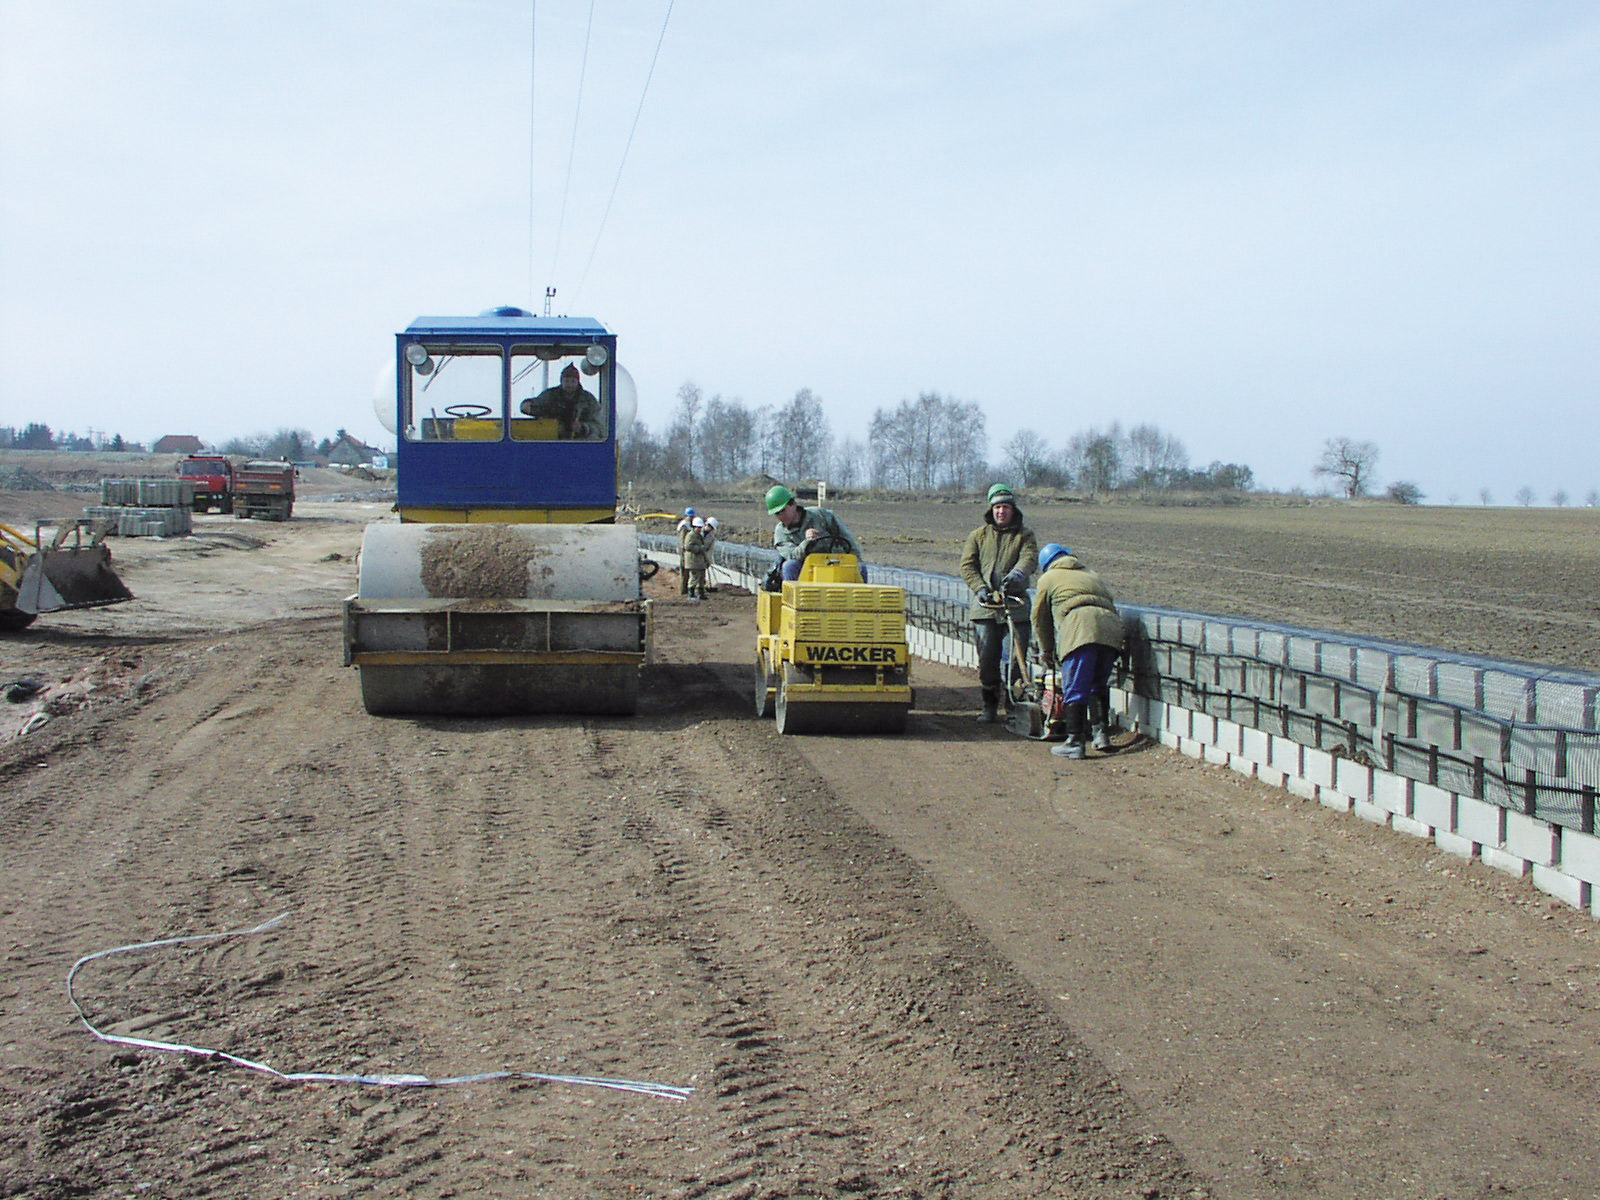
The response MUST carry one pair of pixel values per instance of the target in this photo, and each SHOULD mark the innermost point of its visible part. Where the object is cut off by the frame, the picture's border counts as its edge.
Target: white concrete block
(1392, 792)
(1256, 745)
(1286, 754)
(1167, 738)
(1535, 840)
(1191, 747)
(1230, 736)
(1302, 787)
(1271, 776)
(1353, 779)
(1215, 755)
(1452, 843)
(1580, 855)
(1368, 811)
(1317, 766)
(1406, 825)
(1245, 766)
(1203, 728)
(1481, 821)
(1433, 806)
(1561, 885)
(1501, 860)
(1333, 798)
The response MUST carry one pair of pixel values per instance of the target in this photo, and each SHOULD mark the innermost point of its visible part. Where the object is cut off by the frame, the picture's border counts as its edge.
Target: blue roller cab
(506, 417)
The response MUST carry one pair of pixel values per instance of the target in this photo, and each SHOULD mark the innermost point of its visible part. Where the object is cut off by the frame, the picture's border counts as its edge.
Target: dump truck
(213, 481)
(831, 651)
(264, 489)
(505, 584)
(36, 578)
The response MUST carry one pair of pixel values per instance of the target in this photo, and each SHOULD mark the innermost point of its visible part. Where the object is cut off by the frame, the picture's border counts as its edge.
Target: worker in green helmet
(801, 531)
(997, 563)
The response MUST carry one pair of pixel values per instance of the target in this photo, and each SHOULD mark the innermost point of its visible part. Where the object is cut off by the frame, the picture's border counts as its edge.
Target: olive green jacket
(990, 554)
(1072, 609)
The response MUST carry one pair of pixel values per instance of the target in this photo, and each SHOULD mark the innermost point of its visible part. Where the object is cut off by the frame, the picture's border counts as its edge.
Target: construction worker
(683, 531)
(696, 558)
(1075, 623)
(802, 531)
(573, 407)
(997, 563)
(711, 542)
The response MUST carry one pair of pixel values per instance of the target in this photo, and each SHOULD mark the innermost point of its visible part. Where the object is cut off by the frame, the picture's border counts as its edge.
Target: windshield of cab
(466, 392)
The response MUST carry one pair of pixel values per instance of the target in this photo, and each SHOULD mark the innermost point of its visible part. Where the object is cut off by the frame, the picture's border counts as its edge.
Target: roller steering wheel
(467, 412)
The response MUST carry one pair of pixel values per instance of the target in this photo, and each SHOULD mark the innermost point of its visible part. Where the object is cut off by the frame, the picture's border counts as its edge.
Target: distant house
(178, 443)
(350, 451)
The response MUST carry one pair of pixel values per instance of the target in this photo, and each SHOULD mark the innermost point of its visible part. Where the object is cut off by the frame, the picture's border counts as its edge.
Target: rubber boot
(991, 707)
(1073, 719)
(1099, 723)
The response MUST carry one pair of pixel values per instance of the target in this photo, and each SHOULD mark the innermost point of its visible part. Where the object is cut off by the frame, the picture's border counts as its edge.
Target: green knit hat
(1000, 492)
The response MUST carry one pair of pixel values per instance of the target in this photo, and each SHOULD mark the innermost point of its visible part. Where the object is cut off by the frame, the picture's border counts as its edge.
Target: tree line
(292, 445)
(932, 443)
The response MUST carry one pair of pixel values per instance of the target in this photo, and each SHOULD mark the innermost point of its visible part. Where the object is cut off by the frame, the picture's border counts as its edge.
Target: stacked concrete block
(146, 507)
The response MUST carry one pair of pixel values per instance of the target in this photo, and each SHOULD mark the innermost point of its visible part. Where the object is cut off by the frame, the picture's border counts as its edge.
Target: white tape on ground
(662, 1090)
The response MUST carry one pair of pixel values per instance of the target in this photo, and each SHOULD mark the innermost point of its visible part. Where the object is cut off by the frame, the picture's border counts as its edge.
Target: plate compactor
(831, 653)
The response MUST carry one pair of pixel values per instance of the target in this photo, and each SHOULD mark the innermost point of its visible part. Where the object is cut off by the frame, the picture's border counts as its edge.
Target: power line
(649, 75)
(572, 149)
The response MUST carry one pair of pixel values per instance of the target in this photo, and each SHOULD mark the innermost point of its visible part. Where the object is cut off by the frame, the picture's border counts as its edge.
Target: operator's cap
(569, 369)
(1001, 494)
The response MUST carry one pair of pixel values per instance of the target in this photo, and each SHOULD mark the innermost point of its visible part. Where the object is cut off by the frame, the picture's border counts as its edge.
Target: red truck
(213, 481)
(264, 489)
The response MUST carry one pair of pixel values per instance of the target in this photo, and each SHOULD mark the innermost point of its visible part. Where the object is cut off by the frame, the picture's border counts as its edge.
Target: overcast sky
(1256, 224)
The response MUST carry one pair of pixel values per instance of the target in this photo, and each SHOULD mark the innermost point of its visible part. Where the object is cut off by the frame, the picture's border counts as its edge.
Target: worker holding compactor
(996, 563)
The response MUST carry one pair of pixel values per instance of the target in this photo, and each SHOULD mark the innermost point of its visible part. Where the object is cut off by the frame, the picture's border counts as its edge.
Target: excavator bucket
(70, 577)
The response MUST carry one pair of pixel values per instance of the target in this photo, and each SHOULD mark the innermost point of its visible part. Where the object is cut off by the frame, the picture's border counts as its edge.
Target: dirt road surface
(938, 965)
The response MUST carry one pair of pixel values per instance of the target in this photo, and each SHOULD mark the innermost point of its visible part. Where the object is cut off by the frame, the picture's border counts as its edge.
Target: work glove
(985, 596)
(774, 580)
(1015, 583)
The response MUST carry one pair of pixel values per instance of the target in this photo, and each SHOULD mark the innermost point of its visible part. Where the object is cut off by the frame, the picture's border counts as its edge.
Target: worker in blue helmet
(1075, 623)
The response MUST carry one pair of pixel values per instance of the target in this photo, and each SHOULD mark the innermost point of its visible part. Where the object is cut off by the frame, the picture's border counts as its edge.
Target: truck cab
(213, 481)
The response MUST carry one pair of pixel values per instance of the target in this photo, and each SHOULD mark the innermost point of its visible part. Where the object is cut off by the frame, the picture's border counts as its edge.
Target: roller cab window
(474, 393)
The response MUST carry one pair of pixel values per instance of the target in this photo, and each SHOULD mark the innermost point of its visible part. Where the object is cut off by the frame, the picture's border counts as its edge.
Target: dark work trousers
(992, 651)
(1086, 672)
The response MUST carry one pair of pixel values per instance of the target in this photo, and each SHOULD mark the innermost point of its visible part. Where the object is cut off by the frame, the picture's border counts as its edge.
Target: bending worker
(997, 563)
(1075, 623)
(802, 531)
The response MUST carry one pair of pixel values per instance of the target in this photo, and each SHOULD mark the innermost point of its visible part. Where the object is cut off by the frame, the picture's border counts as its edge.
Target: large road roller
(831, 652)
(505, 584)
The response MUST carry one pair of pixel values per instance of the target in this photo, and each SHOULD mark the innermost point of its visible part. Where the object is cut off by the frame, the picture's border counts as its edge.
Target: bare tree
(1154, 458)
(928, 443)
(802, 437)
(1027, 457)
(1559, 497)
(1592, 498)
(683, 428)
(1094, 459)
(1524, 495)
(1403, 491)
(1349, 461)
(726, 439)
(1485, 496)
(849, 466)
